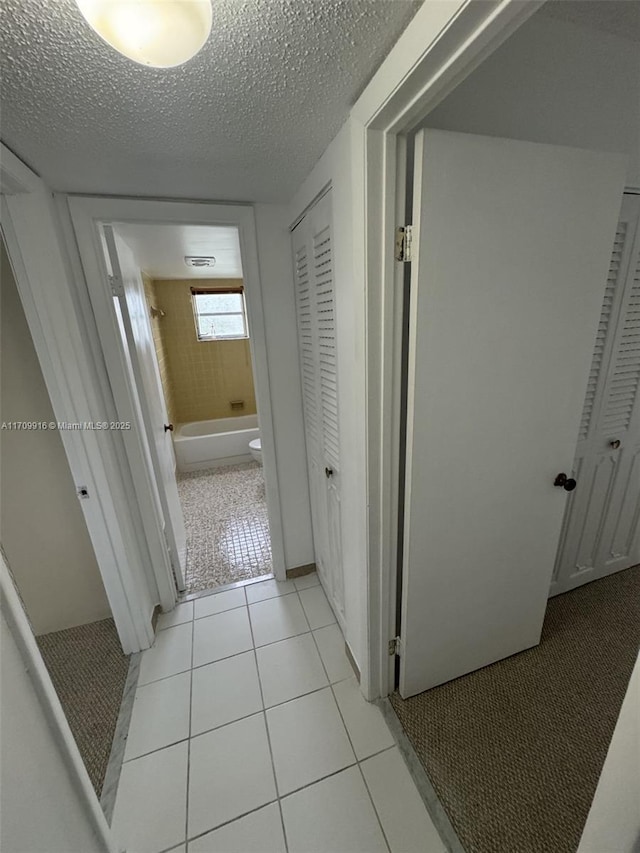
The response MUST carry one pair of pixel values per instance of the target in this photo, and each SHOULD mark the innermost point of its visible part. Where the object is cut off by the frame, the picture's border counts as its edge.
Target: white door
(140, 346)
(316, 311)
(600, 530)
(511, 246)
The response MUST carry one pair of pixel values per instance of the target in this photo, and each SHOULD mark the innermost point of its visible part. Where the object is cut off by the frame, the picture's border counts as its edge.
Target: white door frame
(87, 214)
(78, 386)
(413, 80)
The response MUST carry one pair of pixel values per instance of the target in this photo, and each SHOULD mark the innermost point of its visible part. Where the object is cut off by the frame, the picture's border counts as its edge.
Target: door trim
(411, 82)
(79, 390)
(87, 214)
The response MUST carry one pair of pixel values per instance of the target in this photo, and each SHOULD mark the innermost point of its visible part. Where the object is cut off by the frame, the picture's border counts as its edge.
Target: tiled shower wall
(200, 378)
(161, 352)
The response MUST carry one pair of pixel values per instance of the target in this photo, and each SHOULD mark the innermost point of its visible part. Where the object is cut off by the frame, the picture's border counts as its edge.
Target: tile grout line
(186, 815)
(384, 834)
(266, 728)
(284, 829)
(240, 720)
(278, 799)
(329, 684)
(263, 711)
(193, 735)
(201, 619)
(226, 587)
(335, 699)
(232, 820)
(200, 665)
(375, 810)
(315, 642)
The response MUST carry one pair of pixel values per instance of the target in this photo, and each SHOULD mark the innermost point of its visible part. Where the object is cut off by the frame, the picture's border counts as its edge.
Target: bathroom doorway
(195, 302)
(189, 320)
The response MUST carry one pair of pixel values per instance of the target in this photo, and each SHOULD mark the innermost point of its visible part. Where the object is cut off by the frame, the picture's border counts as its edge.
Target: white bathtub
(209, 444)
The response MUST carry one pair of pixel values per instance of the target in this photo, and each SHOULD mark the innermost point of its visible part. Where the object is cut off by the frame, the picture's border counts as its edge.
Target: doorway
(184, 321)
(182, 314)
(599, 533)
(46, 545)
(178, 304)
(435, 586)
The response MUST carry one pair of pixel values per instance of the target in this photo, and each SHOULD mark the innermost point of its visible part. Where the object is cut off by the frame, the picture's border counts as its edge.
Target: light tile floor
(249, 735)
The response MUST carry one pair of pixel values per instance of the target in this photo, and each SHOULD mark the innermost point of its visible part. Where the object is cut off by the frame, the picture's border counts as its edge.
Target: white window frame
(221, 291)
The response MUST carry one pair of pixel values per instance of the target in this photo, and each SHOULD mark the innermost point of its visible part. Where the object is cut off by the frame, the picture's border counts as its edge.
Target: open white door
(139, 342)
(511, 245)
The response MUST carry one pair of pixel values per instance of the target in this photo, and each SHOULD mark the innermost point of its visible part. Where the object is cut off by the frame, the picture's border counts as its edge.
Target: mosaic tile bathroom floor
(225, 514)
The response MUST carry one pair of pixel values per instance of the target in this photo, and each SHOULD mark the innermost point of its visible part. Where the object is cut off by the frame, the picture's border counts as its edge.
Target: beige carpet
(88, 670)
(514, 750)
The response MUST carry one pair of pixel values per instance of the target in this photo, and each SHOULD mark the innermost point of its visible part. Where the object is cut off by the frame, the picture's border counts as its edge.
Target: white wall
(336, 166)
(39, 806)
(278, 296)
(42, 528)
(555, 82)
(613, 824)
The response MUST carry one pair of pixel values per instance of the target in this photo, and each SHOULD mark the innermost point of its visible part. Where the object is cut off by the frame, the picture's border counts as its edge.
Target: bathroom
(195, 301)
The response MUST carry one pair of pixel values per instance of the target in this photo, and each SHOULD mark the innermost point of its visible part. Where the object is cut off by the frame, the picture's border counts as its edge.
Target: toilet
(255, 449)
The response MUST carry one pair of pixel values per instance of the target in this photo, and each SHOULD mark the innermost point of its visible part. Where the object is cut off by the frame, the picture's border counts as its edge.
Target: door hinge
(117, 288)
(395, 646)
(404, 243)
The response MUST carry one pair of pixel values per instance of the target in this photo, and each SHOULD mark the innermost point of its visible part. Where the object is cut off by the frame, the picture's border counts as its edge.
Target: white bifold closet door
(316, 314)
(512, 243)
(600, 530)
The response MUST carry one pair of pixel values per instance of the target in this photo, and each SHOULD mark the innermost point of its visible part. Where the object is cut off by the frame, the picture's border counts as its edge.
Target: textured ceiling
(246, 119)
(161, 249)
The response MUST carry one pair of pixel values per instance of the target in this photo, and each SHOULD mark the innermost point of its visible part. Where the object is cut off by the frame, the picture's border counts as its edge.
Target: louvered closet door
(316, 310)
(600, 530)
(307, 342)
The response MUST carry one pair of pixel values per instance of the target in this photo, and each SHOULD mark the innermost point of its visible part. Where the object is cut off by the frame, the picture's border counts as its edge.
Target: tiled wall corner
(161, 353)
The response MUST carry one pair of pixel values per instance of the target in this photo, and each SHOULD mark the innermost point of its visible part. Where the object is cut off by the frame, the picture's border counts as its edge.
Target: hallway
(249, 733)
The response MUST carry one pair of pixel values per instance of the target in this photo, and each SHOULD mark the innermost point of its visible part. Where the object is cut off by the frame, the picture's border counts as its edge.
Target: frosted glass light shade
(159, 33)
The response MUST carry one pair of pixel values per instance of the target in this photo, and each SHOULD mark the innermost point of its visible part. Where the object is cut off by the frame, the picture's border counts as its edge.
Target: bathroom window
(220, 314)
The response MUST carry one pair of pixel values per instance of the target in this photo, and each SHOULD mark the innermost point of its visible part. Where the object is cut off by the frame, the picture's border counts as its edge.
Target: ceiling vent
(200, 261)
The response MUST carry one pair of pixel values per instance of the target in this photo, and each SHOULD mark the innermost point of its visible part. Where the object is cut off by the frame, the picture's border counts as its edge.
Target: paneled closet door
(316, 313)
(600, 529)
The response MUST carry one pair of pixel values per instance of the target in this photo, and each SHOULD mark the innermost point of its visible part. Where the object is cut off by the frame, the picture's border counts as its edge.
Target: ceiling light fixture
(159, 33)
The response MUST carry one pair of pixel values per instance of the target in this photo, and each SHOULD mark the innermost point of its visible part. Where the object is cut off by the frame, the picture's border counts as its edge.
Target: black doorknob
(168, 427)
(567, 483)
(328, 472)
